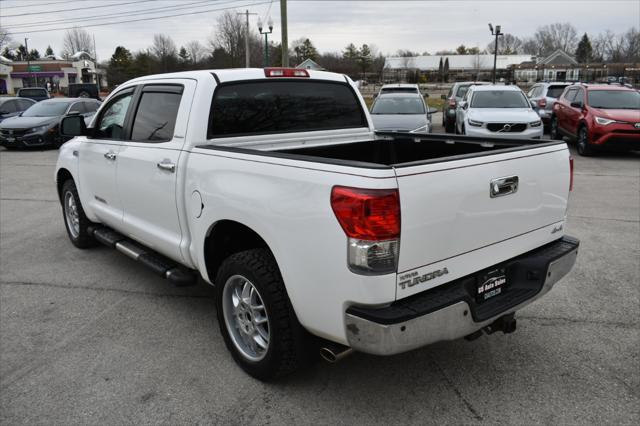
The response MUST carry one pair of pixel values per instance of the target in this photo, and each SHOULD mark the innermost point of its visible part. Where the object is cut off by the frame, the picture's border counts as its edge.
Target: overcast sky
(389, 25)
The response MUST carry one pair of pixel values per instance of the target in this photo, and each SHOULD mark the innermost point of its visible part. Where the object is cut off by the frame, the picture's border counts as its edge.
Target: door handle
(167, 165)
(503, 186)
(110, 155)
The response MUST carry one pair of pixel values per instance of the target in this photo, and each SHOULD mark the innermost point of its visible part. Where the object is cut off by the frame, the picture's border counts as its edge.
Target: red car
(598, 116)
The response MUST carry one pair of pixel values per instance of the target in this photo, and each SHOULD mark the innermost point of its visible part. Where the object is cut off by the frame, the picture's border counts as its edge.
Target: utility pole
(285, 41)
(95, 59)
(246, 39)
(26, 48)
(497, 33)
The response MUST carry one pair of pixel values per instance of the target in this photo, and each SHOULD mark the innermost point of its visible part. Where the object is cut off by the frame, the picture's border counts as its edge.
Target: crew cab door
(149, 164)
(98, 160)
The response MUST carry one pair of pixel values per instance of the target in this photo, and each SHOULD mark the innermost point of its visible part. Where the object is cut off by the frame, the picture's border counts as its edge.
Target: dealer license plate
(491, 284)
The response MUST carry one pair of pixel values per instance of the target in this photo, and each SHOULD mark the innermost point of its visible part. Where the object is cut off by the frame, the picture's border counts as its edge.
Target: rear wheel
(584, 148)
(84, 94)
(553, 128)
(256, 318)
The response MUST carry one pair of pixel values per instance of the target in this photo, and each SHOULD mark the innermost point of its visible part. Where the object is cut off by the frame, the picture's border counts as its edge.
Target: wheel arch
(62, 175)
(226, 237)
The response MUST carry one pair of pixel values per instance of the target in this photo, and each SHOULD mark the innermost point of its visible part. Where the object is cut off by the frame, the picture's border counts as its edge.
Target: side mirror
(431, 110)
(73, 125)
(426, 95)
(576, 104)
(375, 95)
(443, 97)
(534, 105)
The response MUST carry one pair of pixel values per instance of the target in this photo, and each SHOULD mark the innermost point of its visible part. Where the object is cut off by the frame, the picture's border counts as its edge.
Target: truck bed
(407, 149)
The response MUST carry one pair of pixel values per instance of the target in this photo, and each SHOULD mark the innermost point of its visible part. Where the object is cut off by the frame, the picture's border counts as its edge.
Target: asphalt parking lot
(91, 337)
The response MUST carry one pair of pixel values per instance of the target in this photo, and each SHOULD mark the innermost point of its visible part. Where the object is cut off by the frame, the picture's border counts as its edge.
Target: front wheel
(584, 148)
(76, 222)
(256, 318)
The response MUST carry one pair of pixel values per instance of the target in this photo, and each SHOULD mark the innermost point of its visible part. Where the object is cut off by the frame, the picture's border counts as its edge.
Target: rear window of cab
(283, 106)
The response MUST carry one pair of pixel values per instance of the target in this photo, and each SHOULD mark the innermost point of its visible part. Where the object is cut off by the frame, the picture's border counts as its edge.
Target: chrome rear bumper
(378, 330)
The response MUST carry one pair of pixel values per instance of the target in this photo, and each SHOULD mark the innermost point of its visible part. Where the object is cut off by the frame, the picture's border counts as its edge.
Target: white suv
(497, 111)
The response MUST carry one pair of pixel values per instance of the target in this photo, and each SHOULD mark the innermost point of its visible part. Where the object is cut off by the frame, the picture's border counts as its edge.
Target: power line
(34, 4)
(107, 15)
(141, 19)
(79, 8)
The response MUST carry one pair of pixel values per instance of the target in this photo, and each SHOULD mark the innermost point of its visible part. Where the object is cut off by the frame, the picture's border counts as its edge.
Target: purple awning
(37, 74)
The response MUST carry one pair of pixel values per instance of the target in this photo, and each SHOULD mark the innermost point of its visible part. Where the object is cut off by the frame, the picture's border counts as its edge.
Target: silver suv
(543, 96)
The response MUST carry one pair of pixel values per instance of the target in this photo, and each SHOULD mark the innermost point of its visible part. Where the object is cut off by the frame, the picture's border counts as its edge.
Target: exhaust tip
(328, 355)
(335, 354)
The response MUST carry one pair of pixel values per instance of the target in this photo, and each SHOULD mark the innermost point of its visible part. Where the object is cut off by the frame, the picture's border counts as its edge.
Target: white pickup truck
(320, 235)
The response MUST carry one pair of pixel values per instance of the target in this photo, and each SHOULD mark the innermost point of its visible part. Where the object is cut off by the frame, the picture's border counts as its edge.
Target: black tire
(84, 94)
(289, 346)
(79, 235)
(449, 127)
(554, 134)
(584, 148)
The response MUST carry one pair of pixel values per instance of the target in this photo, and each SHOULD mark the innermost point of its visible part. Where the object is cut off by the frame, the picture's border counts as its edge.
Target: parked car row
(598, 116)
(39, 124)
(595, 116)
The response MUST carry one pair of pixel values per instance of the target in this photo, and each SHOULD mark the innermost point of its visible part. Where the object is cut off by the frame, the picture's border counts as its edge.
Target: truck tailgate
(452, 224)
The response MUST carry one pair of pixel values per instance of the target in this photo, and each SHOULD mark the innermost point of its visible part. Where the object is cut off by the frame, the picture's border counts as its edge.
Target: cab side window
(110, 125)
(155, 118)
(9, 107)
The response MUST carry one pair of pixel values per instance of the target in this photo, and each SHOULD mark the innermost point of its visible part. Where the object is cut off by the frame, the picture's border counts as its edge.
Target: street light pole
(266, 39)
(497, 33)
(26, 48)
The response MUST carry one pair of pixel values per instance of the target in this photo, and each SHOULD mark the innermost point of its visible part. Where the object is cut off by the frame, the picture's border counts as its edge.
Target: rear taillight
(285, 72)
(570, 173)
(452, 103)
(371, 220)
(542, 103)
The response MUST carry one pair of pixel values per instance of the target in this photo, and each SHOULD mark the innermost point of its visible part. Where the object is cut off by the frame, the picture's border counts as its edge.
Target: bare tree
(5, 38)
(556, 36)
(508, 44)
(77, 40)
(229, 36)
(196, 51)
(164, 49)
(632, 45)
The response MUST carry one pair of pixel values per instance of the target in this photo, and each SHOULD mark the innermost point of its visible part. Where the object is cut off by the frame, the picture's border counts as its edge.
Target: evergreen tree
(49, 51)
(584, 52)
(441, 70)
(34, 54)
(183, 57)
(8, 54)
(461, 50)
(308, 51)
(22, 52)
(350, 52)
(364, 58)
(120, 68)
(445, 70)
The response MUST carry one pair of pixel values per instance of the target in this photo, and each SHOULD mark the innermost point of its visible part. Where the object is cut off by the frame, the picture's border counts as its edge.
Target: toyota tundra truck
(320, 236)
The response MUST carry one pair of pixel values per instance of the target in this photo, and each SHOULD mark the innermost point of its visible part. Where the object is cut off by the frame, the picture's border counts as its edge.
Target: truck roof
(238, 74)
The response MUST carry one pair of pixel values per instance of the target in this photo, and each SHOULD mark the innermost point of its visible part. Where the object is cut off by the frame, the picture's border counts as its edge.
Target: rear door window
(268, 107)
(156, 115)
